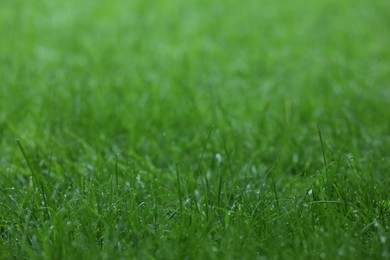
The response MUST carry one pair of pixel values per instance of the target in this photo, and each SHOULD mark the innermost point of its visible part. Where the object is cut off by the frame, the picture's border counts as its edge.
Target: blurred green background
(151, 78)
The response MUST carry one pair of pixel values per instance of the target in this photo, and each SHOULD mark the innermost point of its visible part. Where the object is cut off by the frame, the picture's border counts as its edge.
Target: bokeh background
(149, 79)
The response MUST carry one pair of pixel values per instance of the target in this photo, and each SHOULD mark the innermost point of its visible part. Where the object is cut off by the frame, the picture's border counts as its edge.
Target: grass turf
(195, 129)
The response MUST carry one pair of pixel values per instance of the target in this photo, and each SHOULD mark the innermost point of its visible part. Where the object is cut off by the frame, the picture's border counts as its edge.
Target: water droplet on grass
(295, 158)
(219, 157)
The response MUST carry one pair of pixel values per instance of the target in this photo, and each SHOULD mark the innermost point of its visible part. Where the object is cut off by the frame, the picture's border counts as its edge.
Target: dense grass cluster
(194, 129)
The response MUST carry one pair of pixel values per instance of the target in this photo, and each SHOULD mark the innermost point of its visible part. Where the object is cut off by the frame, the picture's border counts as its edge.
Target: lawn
(194, 129)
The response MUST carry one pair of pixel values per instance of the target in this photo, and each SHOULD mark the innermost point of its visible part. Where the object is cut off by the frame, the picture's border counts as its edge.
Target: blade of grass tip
(234, 178)
(33, 175)
(230, 168)
(204, 148)
(199, 171)
(228, 159)
(47, 212)
(208, 197)
(111, 190)
(220, 188)
(275, 192)
(116, 169)
(269, 172)
(323, 149)
(179, 186)
(271, 175)
(155, 211)
(114, 175)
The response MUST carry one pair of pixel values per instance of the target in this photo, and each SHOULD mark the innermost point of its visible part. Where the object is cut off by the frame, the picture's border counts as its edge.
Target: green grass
(194, 129)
